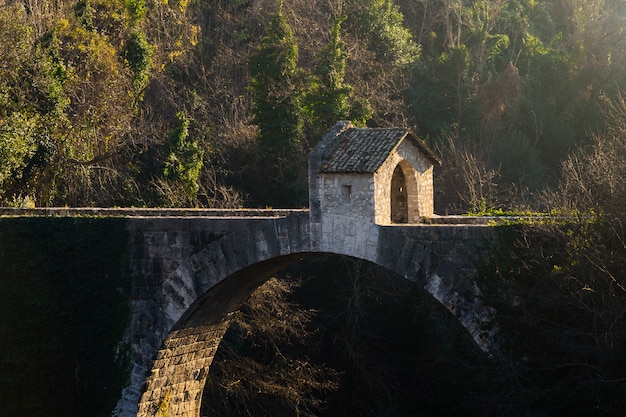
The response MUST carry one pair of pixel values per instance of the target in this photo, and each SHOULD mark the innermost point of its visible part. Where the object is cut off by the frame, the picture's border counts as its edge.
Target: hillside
(161, 103)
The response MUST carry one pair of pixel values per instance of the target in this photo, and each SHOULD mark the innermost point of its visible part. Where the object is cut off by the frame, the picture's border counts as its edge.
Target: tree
(276, 87)
(593, 179)
(184, 161)
(383, 24)
(560, 287)
(331, 98)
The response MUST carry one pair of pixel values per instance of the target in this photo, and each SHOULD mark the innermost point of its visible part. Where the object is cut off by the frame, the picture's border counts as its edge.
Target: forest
(179, 103)
(195, 104)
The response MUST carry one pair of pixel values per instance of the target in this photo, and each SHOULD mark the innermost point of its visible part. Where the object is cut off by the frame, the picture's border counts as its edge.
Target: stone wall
(181, 367)
(315, 177)
(443, 260)
(141, 212)
(348, 194)
(158, 247)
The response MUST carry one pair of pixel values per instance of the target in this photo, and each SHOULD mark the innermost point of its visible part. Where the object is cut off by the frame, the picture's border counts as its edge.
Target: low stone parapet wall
(145, 212)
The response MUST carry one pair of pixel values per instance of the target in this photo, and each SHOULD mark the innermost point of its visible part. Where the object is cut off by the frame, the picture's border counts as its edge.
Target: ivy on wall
(64, 308)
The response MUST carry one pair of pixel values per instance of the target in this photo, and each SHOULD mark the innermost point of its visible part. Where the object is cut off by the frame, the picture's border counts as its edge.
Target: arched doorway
(399, 203)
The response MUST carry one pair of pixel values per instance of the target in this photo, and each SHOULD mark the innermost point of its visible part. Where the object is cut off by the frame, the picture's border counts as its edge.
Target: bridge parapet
(145, 212)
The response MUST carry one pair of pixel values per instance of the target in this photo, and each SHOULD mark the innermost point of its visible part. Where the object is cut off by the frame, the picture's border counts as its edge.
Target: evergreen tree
(276, 88)
(184, 161)
(382, 24)
(331, 98)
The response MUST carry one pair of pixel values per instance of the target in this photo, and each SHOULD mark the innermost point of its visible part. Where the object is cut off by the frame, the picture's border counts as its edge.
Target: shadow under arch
(227, 296)
(360, 335)
(179, 373)
(182, 364)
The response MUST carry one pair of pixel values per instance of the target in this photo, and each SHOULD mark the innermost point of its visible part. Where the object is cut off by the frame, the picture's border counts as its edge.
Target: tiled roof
(363, 150)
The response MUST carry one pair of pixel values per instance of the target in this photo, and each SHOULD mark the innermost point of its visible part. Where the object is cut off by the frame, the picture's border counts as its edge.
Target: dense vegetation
(60, 356)
(178, 103)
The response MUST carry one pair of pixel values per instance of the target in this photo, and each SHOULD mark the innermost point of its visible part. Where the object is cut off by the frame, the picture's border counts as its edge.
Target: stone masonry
(180, 304)
(418, 171)
(190, 274)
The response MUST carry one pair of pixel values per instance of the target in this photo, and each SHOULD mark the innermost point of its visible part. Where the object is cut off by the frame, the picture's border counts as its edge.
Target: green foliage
(138, 56)
(185, 158)
(521, 164)
(85, 13)
(274, 74)
(276, 89)
(65, 308)
(71, 89)
(382, 22)
(331, 99)
(80, 72)
(49, 77)
(164, 405)
(441, 91)
(16, 47)
(467, 48)
(137, 9)
(18, 142)
(559, 293)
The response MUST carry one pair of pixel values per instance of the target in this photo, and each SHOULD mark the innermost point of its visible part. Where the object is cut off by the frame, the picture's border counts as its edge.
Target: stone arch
(404, 194)
(188, 317)
(179, 372)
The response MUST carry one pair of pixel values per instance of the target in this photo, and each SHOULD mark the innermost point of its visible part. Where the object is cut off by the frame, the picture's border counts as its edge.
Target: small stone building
(379, 174)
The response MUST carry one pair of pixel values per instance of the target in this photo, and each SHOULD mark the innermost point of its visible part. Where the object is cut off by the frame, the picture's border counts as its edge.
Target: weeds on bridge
(163, 407)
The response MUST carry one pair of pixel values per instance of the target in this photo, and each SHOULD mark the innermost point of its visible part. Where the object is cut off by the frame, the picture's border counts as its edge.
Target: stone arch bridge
(192, 268)
(191, 273)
